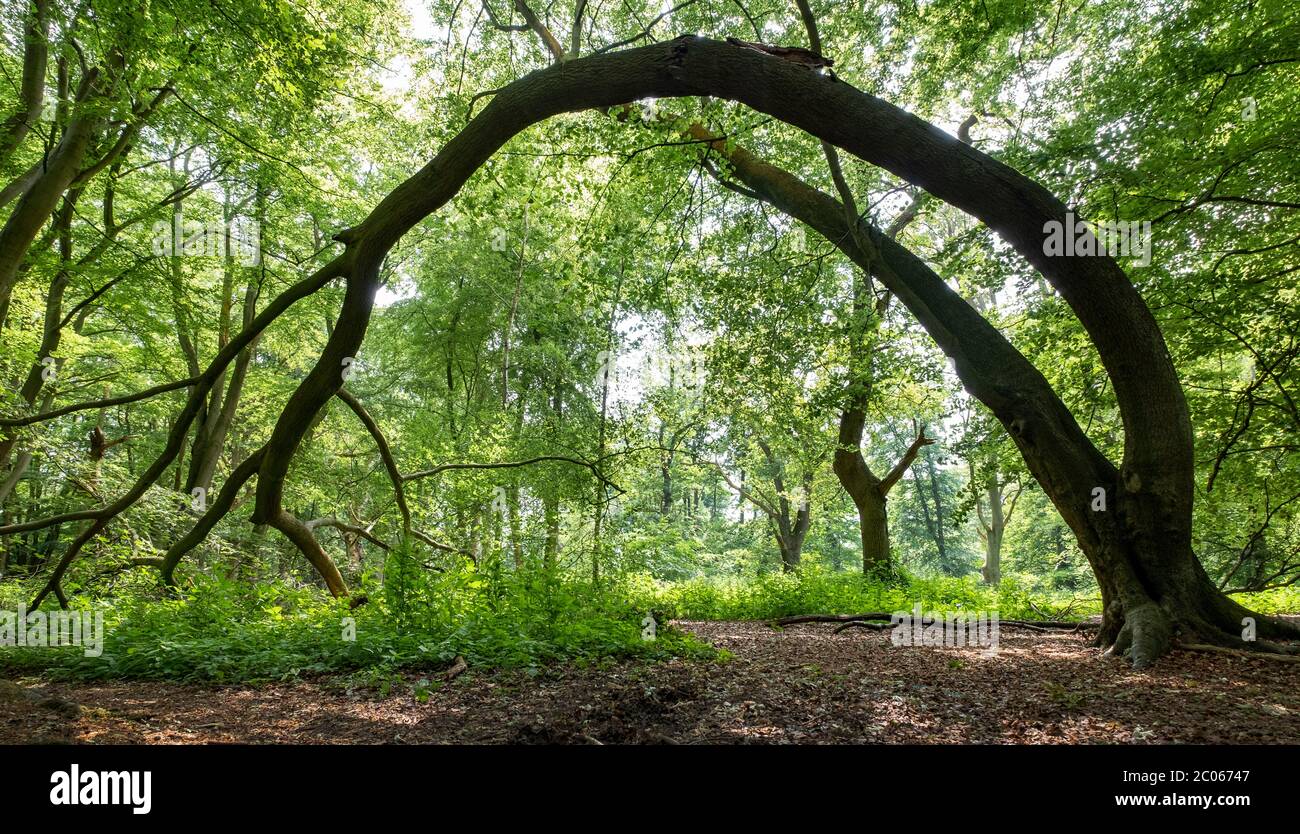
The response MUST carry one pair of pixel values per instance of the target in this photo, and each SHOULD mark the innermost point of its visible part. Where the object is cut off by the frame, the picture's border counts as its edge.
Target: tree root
(1278, 627)
(1150, 631)
(1147, 633)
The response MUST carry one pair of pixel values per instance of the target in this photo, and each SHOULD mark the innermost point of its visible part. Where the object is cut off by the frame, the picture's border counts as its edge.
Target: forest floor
(803, 684)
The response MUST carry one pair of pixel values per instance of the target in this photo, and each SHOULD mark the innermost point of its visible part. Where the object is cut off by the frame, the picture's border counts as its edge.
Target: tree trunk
(790, 529)
(31, 95)
(869, 493)
(1141, 555)
(666, 483)
(937, 497)
(515, 523)
(38, 202)
(993, 532)
(864, 488)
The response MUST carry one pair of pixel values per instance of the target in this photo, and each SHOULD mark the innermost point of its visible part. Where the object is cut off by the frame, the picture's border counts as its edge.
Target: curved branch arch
(1151, 491)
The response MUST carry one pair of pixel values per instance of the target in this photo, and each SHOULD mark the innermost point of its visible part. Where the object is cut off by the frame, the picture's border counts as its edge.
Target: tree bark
(993, 529)
(790, 529)
(936, 496)
(869, 493)
(38, 202)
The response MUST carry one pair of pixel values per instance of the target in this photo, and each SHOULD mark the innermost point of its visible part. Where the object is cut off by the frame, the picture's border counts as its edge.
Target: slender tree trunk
(937, 497)
(993, 530)
(31, 96)
(38, 202)
(601, 490)
(550, 496)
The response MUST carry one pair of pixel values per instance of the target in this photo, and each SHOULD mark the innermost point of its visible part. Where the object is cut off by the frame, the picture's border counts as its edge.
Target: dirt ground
(800, 685)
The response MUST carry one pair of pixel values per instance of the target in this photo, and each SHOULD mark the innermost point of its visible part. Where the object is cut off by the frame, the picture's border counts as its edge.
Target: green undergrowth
(227, 632)
(219, 631)
(1275, 601)
(813, 591)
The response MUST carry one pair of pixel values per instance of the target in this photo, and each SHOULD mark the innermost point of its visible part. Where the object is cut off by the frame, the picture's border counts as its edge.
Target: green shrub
(226, 632)
(816, 591)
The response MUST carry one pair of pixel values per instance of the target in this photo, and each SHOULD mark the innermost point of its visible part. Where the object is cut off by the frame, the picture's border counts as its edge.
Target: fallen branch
(861, 619)
(457, 669)
(1260, 655)
(1053, 625)
(861, 624)
(830, 618)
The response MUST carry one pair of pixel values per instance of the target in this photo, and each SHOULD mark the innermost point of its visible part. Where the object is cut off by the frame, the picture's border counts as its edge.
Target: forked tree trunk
(869, 493)
(790, 534)
(863, 488)
(790, 528)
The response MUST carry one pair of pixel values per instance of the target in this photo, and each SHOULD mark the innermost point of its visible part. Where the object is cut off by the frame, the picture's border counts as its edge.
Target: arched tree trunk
(1139, 546)
(1149, 587)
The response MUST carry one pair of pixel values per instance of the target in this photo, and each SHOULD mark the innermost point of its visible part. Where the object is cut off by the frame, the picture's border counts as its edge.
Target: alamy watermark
(53, 628)
(75, 786)
(240, 239)
(940, 629)
(681, 369)
(1086, 238)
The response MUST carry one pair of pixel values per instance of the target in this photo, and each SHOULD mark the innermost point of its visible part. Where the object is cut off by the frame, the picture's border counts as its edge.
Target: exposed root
(1149, 631)
(1277, 628)
(1152, 634)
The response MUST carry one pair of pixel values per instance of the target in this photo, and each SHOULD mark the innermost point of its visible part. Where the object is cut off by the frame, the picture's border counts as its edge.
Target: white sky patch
(422, 25)
(395, 291)
(642, 361)
(401, 75)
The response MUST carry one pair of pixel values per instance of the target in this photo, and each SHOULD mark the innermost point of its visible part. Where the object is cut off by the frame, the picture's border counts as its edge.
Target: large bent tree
(1139, 547)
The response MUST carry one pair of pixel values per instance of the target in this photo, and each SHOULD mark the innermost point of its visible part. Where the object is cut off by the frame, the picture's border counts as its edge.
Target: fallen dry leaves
(800, 685)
